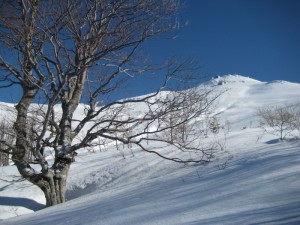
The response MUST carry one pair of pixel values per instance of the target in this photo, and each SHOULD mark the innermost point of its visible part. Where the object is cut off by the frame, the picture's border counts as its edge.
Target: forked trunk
(53, 182)
(55, 187)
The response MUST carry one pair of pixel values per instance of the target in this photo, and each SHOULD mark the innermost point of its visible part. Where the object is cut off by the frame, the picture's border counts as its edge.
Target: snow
(254, 181)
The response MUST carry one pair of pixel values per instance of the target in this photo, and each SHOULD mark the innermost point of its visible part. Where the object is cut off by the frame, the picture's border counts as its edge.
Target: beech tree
(63, 53)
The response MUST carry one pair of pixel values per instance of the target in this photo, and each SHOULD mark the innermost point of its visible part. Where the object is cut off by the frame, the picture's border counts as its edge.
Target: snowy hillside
(255, 180)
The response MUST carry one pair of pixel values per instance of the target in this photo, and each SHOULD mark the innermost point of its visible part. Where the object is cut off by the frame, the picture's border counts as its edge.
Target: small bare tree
(279, 120)
(4, 158)
(62, 53)
(7, 134)
(214, 125)
(296, 110)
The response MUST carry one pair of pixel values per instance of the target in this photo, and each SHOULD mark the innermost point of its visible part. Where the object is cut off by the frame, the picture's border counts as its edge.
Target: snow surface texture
(255, 181)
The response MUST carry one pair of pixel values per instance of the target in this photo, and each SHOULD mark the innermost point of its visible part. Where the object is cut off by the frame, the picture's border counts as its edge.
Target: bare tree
(62, 53)
(5, 135)
(279, 120)
(214, 125)
(296, 112)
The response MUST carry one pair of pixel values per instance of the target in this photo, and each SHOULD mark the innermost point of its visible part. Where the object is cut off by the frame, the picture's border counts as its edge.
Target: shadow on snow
(23, 202)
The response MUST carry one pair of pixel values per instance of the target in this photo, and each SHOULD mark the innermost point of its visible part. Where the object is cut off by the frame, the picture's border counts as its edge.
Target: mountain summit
(219, 80)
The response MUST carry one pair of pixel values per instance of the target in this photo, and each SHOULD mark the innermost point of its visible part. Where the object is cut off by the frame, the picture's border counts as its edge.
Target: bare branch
(64, 53)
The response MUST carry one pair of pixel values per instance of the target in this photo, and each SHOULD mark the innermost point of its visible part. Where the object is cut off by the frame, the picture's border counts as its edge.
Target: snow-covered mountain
(254, 181)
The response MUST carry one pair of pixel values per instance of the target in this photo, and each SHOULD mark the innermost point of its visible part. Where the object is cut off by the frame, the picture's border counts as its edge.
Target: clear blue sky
(256, 38)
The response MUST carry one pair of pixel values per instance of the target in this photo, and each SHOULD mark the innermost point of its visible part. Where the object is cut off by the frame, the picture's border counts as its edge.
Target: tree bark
(54, 186)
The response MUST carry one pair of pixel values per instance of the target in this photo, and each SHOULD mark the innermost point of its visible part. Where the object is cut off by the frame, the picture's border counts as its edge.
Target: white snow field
(255, 180)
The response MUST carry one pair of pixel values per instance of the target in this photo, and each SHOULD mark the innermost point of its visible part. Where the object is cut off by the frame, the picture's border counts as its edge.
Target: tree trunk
(53, 183)
(55, 186)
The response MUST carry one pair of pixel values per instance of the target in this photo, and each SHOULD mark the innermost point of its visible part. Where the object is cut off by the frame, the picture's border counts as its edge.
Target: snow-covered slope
(255, 181)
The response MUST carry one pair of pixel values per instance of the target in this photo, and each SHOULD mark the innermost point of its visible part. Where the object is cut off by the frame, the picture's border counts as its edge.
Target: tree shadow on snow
(273, 141)
(278, 140)
(23, 202)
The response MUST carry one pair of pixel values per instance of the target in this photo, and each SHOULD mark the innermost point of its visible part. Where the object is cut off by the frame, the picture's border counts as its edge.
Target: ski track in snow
(255, 181)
